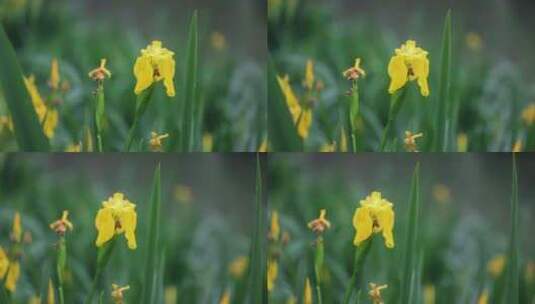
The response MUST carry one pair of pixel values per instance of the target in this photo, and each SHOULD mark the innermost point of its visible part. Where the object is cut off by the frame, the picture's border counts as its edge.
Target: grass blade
(410, 253)
(152, 253)
(443, 115)
(28, 131)
(190, 86)
(511, 281)
(282, 132)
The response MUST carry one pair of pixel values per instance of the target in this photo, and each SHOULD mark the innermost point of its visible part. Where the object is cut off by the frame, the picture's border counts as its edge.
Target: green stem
(396, 101)
(142, 102)
(103, 257)
(61, 261)
(353, 113)
(318, 293)
(99, 114)
(360, 255)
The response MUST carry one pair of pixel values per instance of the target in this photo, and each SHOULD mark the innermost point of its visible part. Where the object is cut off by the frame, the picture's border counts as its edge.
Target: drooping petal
(166, 67)
(13, 275)
(144, 74)
(4, 263)
(363, 223)
(304, 123)
(420, 68)
(51, 121)
(291, 100)
(398, 72)
(105, 225)
(385, 219)
(128, 219)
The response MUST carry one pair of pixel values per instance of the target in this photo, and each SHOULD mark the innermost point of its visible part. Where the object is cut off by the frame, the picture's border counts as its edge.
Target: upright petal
(363, 223)
(291, 100)
(105, 225)
(385, 219)
(144, 74)
(166, 67)
(398, 72)
(305, 121)
(128, 221)
(420, 68)
(13, 275)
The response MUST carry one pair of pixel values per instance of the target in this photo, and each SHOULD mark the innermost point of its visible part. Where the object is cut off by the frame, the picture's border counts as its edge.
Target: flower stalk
(361, 252)
(142, 102)
(396, 101)
(103, 257)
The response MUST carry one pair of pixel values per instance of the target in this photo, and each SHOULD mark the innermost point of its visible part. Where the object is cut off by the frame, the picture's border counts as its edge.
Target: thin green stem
(61, 260)
(103, 257)
(396, 101)
(360, 255)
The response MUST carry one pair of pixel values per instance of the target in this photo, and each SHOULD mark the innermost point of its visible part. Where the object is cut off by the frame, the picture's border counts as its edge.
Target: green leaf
(410, 253)
(444, 107)
(189, 103)
(282, 131)
(152, 253)
(511, 282)
(28, 131)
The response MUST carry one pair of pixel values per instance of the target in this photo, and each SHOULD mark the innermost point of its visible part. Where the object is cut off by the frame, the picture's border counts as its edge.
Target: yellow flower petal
(13, 275)
(51, 122)
(166, 67)
(128, 221)
(420, 68)
(307, 293)
(309, 75)
(291, 100)
(16, 230)
(54, 74)
(305, 121)
(272, 273)
(144, 74)
(363, 223)
(385, 219)
(4, 263)
(398, 72)
(105, 225)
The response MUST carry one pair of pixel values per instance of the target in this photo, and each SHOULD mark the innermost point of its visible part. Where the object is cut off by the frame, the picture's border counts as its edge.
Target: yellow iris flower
(16, 229)
(272, 273)
(117, 216)
(156, 141)
(54, 75)
(409, 63)
(528, 114)
(155, 63)
(48, 117)
(225, 298)
(374, 215)
(301, 117)
(238, 266)
(307, 293)
(275, 229)
(9, 271)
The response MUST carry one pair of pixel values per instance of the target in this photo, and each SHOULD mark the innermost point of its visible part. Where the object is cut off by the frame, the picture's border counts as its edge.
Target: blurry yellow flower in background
(117, 216)
(73, 148)
(272, 273)
(354, 72)
(474, 41)
(238, 266)
(328, 147)
(101, 72)
(275, 230)
(441, 193)
(375, 293)
(117, 293)
(530, 271)
(307, 293)
(6, 123)
(16, 228)
(374, 215)
(291, 300)
(218, 41)
(155, 63)
(410, 141)
(225, 298)
(170, 295)
(484, 297)
(48, 117)
(320, 224)
(528, 114)
(518, 146)
(183, 193)
(207, 142)
(308, 83)
(51, 297)
(63, 224)
(301, 117)
(462, 142)
(54, 80)
(4, 263)
(496, 265)
(34, 300)
(13, 275)
(409, 63)
(264, 146)
(429, 294)
(156, 141)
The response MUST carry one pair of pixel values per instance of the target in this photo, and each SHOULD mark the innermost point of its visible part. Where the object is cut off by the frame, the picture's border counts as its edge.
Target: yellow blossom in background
(54, 80)
(117, 293)
(530, 271)
(302, 118)
(154, 64)
(116, 216)
(238, 266)
(309, 75)
(225, 298)
(307, 293)
(207, 142)
(63, 224)
(101, 72)
(320, 224)
(410, 141)
(429, 294)
(6, 123)
(13, 275)
(16, 228)
(170, 295)
(496, 265)
(264, 146)
(484, 297)
(474, 41)
(34, 300)
(156, 141)
(375, 293)
(218, 41)
(528, 114)
(328, 147)
(354, 72)
(441, 193)
(374, 215)
(4, 263)
(409, 63)
(73, 148)
(51, 297)
(518, 146)
(183, 193)
(343, 140)
(272, 273)
(48, 117)
(291, 300)
(275, 229)
(462, 142)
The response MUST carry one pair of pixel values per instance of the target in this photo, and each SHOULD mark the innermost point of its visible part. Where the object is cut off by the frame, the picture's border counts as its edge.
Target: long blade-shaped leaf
(444, 107)
(190, 86)
(410, 253)
(511, 282)
(28, 131)
(282, 132)
(152, 253)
